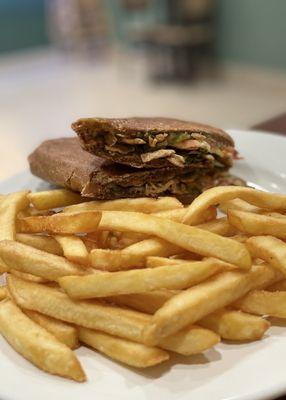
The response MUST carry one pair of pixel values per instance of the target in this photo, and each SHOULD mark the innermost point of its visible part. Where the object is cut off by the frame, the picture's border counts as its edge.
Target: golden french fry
(74, 249)
(278, 286)
(188, 237)
(179, 276)
(217, 195)
(262, 302)
(107, 239)
(115, 260)
(270, 249)
(227, 323)
(64, 332)
(209, 215)
(257, 224)
(173, 215)
(37, 345)
(110, 240)
(89, 244)
(3, 292)
(152, 247)
(100, 238)
(190, 340)
(148, 302)
(238, 204)
(191, 305)
(41, 242)
(32, 212)
(162, 248)
(118, 234)
(54, 199)
(10, 205)
(116, 321)
(28, 277)
(130, 353)
(144, 204)
(240, 237)
(27, 259)
(128, 238)
(178, 215)
(3, 267)
(24, 213)
(114, 242)
(273, 214)
(220, 226)
(225, 265)
(235, 325)
(66, 224)
(154, 262)
(94, 315)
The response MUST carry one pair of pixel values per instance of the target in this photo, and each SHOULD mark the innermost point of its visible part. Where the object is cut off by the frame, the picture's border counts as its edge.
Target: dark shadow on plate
(157, 371)
(235, 344)
(242, 342)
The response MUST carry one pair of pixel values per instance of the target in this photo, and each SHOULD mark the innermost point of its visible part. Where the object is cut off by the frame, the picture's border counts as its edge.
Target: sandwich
(63, 162)
(156, 142)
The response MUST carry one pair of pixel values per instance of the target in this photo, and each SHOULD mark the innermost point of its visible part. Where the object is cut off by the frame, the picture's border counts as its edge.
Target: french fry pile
(138, 279)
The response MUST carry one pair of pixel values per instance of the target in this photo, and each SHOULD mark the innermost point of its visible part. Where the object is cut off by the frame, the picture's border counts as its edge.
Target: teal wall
(253, 31)
(22, 24)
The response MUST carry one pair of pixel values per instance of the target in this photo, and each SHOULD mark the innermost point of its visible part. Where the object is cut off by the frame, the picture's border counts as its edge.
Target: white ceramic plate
(248, 371)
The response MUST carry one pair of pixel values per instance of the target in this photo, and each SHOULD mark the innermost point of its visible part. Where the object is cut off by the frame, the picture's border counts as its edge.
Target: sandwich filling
(187, 186)
(179, 149)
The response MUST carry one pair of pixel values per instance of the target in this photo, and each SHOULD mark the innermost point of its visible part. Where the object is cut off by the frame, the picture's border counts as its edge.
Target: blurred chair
(135, 4)
(191, 9)
(79, 26)
(183, 45)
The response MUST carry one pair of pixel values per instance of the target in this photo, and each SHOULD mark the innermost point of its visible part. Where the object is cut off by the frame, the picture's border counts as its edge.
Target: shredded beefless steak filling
(186, 185)
(177, 148)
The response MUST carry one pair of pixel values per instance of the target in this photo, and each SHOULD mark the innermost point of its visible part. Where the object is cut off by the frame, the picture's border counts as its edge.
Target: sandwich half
(63, 162)
(155, 142)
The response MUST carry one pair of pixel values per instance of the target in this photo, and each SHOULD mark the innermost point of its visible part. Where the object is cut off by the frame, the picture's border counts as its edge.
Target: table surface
(276, 124)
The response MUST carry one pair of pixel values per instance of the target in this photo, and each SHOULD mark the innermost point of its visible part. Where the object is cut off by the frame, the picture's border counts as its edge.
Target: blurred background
(221, 62)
